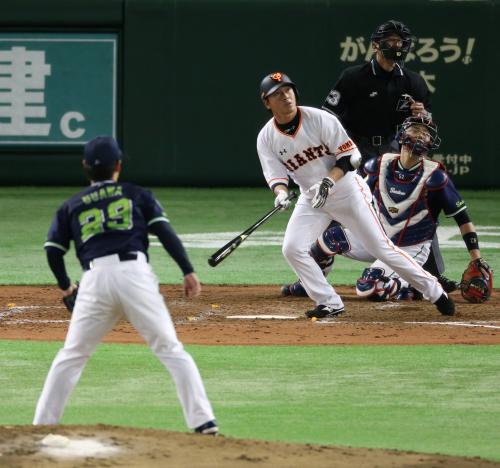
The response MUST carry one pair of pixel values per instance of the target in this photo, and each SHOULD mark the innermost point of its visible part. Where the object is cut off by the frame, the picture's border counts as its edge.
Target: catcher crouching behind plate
(409, 191)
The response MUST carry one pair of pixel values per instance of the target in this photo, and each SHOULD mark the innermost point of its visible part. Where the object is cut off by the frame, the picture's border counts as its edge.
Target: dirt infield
(36, 313)
(23, 447)
(235, 315)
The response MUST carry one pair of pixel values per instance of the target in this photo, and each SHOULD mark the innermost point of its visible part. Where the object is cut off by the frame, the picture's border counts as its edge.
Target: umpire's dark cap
(102, 151)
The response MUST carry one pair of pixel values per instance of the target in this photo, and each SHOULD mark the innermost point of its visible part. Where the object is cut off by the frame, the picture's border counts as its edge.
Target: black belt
(374, 140)
(123, 256)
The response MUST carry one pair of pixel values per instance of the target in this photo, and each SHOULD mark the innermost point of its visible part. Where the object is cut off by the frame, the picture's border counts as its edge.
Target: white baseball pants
(349, 203)
(109, 290)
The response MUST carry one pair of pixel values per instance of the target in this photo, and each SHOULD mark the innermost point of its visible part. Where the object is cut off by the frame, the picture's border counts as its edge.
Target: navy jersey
(105, 218)
(447, 199)
(409, 201)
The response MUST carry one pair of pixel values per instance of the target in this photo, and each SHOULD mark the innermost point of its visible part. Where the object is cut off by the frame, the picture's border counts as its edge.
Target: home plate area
(259, 315)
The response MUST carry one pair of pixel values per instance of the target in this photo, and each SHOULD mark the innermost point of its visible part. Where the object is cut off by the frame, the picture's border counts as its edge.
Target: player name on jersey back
(102, 193)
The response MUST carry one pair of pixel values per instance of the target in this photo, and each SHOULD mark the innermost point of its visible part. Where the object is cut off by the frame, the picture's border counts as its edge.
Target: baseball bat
(228, 248)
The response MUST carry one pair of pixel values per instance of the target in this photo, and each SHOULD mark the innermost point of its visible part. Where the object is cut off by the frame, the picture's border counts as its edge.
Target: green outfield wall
(176, 81)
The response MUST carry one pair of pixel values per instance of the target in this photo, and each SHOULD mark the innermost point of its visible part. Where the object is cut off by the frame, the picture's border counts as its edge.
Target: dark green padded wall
(189, 111)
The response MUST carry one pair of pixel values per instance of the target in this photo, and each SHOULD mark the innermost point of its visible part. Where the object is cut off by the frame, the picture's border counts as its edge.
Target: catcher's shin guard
(294, 289)
(332, 242)
(324, 261)
(408, 294)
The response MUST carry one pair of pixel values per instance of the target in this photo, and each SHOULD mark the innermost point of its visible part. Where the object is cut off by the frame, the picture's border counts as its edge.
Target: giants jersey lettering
(105, 218)
(309, 154)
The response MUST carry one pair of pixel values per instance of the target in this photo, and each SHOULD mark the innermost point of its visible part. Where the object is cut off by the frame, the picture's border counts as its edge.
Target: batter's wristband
(471, 241)
(273, 186)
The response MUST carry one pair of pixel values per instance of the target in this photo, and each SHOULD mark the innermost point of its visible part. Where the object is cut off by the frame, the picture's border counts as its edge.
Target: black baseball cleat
(324, 311)
(447, 284)
(295, 289)
(445, 305)
(209, 428)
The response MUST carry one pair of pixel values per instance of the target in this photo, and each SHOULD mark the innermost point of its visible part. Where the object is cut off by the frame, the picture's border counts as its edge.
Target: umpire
(373, 99)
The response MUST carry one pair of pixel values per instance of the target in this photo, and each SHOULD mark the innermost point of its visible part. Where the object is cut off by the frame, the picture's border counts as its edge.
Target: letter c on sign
(65, 121)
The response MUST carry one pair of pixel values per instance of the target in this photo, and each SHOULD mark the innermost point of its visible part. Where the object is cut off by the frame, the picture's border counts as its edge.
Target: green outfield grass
(441, 399)
(26, 214)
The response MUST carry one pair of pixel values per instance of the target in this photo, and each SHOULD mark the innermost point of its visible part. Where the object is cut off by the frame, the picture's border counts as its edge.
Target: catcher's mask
(419, 144)
(382, 33)
(274, 81)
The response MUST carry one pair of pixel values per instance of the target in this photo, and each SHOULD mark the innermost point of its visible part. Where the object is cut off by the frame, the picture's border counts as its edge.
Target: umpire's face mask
(394, 47)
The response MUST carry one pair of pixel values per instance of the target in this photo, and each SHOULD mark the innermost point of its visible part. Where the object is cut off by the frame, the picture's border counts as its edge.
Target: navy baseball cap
(102, 150)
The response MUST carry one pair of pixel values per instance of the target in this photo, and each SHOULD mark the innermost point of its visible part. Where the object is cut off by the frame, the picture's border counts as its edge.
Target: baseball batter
(109, 224)
(312, 147)
(409, 192)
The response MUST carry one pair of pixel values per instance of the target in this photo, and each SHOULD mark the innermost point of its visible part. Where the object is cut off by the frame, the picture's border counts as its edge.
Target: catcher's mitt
(477, 281)
(69, 301)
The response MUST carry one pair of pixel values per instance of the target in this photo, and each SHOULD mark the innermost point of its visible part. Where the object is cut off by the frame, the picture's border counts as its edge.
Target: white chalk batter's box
(12, 315)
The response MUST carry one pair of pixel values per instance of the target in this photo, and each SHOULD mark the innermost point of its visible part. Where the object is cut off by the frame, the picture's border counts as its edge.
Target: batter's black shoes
(323, 311)
(445, 305)
(295, 289)
(447, 284)
(209, 428)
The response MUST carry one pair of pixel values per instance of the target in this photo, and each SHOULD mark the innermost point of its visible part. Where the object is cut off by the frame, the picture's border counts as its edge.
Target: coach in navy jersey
(109, 224)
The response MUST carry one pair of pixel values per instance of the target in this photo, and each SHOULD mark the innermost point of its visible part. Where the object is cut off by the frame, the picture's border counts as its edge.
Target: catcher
(409, 192)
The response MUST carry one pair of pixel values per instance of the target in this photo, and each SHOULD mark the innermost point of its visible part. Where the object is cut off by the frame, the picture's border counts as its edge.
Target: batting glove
(321, 191)
(282, 200)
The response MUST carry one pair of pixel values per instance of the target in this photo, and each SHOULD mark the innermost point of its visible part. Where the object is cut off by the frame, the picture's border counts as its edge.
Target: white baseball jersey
(309, 154)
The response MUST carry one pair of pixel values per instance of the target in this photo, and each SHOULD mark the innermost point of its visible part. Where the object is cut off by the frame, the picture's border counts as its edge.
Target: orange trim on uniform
(278, 178)
(389, 243)
(298, 126)
(345, 151)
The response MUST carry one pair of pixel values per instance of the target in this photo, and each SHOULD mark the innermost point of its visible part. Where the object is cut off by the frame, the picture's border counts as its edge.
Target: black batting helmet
(273, 81)
(393, 27)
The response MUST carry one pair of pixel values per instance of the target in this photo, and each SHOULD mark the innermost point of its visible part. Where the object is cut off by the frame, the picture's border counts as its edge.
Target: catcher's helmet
(418, 145)
(273, 81)
(393, 27)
